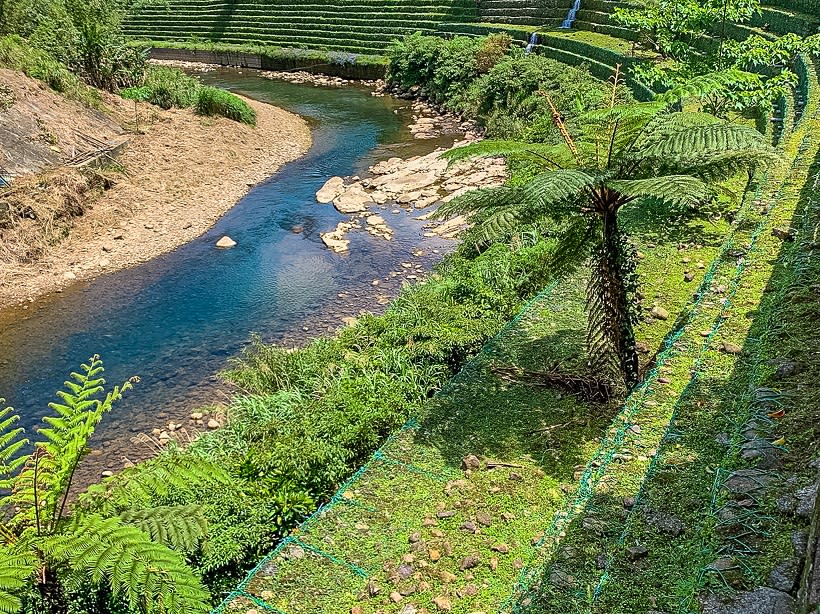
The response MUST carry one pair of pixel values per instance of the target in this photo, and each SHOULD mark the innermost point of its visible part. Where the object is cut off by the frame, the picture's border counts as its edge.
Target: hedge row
(782, 22)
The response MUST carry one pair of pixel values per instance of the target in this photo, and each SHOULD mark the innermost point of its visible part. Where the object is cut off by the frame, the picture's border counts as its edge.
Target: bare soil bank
(181, 173)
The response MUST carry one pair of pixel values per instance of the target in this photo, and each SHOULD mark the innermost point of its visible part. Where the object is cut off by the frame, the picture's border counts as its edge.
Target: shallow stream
(176, 320)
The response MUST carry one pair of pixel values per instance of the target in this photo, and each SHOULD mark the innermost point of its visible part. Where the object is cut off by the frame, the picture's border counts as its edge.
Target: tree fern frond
(48, 477)
(686, 147)
(12, 443)
(180, 527)
(16, 569)
(716, 167)
(675, 190)
(152, 481)
(150, 577)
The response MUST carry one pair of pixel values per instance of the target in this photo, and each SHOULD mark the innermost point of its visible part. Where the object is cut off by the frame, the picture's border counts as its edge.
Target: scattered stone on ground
(760, 601)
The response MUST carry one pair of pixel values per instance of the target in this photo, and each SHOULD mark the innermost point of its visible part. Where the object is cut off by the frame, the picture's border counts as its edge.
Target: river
(176, 320)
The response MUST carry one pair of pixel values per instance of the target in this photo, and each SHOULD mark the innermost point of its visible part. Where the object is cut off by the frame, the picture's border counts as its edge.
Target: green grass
(17, 54)
(214, 101)
(686, 476)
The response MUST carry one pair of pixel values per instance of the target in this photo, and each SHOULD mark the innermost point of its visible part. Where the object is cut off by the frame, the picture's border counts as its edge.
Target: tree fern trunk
(610, 333)
(51, 593)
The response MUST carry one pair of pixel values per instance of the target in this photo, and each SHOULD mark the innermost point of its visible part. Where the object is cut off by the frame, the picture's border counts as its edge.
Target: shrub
(214, 101)
(16, 54)
(166, 88)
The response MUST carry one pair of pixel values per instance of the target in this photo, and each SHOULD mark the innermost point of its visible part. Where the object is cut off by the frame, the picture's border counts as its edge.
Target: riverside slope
(182, 173)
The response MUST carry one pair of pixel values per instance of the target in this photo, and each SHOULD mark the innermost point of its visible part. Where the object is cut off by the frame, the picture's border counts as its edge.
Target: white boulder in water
(225, 241)
(332, 188)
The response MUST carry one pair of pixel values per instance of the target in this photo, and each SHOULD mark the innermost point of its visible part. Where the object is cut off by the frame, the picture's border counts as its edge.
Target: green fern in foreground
(48, 547)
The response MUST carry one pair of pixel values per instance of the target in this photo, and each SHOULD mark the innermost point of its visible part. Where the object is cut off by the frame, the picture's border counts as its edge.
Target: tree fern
(623, 154)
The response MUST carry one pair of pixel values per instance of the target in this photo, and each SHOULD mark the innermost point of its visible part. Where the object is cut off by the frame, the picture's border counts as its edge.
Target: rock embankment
(417, 183)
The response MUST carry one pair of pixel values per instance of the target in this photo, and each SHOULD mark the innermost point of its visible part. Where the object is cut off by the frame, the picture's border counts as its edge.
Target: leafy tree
(623, 155)
(692, 36)
(671, 27)
(137, 553)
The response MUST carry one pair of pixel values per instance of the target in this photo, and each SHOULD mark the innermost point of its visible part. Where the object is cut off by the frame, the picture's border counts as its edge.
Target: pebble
(213, 424)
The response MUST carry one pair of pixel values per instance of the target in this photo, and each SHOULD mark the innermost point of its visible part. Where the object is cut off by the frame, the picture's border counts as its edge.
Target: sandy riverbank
(181, 174)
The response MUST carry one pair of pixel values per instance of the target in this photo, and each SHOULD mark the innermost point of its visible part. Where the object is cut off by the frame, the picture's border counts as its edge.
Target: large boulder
(333, 187)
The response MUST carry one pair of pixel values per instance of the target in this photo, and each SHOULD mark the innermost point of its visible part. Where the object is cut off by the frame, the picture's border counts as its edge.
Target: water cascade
(533, 42)
(567, 23)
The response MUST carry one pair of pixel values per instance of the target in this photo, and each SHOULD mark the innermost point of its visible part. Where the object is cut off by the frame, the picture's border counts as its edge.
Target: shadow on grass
(686, 481)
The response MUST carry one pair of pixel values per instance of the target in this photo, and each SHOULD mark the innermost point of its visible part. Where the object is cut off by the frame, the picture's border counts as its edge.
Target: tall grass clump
(166, 87)
(214, 101)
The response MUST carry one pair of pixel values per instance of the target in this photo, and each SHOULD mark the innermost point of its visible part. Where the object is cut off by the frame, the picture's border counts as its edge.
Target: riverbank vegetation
(78, 49)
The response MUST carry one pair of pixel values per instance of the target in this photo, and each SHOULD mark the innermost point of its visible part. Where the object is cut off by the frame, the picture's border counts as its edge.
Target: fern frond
(685, 147)
(12, 443)
(719, 166)
(675, 190)
(16, 570)
(180, 527)
(42, 486)
(148, 576)
(153, 481)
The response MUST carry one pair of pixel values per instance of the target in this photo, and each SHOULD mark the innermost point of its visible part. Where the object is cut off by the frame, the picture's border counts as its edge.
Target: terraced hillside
(549, 13)
(361, 26)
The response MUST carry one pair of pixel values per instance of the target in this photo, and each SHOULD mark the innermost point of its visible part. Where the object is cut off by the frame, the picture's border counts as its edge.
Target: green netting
(314, 556)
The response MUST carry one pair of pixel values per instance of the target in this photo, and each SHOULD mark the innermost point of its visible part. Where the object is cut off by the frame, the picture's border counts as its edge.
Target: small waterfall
(533, 42)
(567, 23)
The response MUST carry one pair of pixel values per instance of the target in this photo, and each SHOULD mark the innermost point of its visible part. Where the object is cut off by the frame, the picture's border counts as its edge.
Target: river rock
(333, 188)
(760, 601)
(659, 313)
(225, 242)
(353, 200)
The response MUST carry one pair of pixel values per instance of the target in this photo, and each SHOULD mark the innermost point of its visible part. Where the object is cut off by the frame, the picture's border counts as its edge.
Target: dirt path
(181, 175)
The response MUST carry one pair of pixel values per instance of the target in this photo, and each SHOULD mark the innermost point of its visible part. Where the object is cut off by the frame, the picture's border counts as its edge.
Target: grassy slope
(382, 544)
(711, 395)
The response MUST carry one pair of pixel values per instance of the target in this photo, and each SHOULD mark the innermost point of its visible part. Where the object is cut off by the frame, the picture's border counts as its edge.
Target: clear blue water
(174, 321)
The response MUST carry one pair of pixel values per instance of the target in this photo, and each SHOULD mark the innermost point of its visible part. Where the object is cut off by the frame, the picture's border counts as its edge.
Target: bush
(489, 80)
(214, 101)
(16, 54)
(166, 88)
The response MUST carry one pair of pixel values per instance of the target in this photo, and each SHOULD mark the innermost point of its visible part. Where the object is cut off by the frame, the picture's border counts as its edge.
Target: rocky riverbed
(419, 183)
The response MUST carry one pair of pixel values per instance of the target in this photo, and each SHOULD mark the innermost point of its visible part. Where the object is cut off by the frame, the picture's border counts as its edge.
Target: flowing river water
(175, 320)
